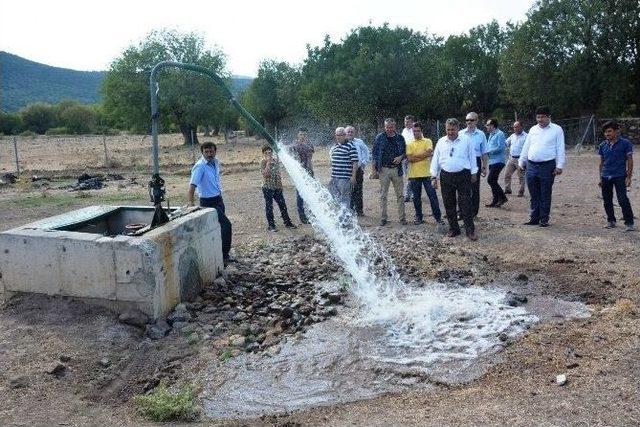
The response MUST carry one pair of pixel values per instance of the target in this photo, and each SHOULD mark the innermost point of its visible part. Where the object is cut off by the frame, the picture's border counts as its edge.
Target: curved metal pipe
(156, 185)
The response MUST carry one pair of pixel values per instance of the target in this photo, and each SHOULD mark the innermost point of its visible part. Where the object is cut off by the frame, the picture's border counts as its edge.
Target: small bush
(57, 131)
(28, 133)
(163, 405)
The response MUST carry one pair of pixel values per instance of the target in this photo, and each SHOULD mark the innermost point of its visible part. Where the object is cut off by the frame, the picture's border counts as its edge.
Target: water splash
(422, 324)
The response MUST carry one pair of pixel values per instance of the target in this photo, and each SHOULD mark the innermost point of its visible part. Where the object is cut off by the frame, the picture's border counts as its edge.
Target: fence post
(595, 142)
(193, 148)
(15, 151)
(104, 144)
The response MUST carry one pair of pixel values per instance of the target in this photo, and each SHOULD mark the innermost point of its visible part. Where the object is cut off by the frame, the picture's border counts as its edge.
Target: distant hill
(24, 82)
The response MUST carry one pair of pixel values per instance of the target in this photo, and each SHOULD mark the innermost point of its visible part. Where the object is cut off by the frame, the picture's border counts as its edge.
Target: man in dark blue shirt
(616, 169)
(388, 152)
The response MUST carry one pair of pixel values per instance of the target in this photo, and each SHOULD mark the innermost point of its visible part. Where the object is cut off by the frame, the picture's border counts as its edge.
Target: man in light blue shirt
(454, 163)
(479, 143)
(364, 158)
(496, 150)
(205, 177)
(515, 143)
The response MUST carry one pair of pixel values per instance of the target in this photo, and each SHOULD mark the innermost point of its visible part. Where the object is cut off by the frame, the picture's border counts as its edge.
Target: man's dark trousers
(457, 185)
(356, 195)
(269, 196)
(623, 200)
(540, 179)
(475, 190)
(225, 225)
(416, 185)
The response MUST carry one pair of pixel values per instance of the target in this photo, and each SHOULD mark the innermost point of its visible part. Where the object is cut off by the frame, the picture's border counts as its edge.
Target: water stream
(394, 335)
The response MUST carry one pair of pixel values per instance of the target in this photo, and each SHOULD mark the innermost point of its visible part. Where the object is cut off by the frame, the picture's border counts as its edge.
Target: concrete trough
(92, 255)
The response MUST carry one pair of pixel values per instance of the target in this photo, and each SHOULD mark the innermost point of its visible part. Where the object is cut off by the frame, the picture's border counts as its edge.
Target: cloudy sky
(88, 35)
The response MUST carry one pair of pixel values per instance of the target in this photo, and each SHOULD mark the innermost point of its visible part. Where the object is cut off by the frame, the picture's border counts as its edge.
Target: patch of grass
(64, 200)
(226, 355)
(163, 405)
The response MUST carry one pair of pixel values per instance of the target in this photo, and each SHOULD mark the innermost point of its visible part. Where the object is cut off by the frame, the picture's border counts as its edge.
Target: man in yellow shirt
(419, 153)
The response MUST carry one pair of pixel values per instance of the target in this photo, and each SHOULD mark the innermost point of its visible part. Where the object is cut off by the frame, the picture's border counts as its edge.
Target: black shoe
(531, 223)
(272, 228)
(544, 224)
(502, 202)
(507, 191)
(418, 221)
(290, 225)
(304, 221)
(491, 205)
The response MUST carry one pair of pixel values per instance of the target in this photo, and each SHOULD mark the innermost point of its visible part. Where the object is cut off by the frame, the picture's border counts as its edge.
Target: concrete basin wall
(152, 272)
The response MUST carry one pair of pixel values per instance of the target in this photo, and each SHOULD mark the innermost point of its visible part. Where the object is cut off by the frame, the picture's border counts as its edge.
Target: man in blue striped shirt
(344, 167)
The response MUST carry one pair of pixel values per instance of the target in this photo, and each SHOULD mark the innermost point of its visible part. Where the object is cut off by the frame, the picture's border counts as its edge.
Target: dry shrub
(623, 308)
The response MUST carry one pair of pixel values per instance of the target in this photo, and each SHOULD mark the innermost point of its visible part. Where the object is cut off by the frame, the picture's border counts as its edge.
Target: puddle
(350, 358)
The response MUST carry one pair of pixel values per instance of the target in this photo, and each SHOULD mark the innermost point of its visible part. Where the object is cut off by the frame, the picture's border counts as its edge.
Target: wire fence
(74, 154)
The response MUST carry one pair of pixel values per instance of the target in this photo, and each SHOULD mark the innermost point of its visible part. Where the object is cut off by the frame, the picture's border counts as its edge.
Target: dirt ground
(107, 362)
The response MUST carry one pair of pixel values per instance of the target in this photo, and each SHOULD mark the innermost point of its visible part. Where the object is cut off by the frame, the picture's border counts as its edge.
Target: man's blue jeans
(416, 188)
(540, 179)
(608, 185)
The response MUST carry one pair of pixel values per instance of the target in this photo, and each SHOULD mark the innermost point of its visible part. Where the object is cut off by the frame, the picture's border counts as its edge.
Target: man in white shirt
(515, 143)
(479, 143)
(407, 134)
(543, 157)
(364, 158)
(454, 163)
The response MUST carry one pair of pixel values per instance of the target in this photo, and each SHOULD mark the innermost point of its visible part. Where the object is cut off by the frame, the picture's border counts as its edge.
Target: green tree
(185, 99)
(373, 73)
(38, 117)
(76, 117)
(272, 95)
(10, 123)
(576, 56)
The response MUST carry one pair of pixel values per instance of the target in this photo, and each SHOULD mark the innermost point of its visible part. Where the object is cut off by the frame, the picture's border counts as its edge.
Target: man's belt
(515, 157)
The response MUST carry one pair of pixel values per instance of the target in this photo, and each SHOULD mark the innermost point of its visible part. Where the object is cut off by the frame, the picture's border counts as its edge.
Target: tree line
(576, 56)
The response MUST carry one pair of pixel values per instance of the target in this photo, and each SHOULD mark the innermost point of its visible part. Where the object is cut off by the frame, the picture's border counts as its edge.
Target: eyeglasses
(470, 120)
(340, 134)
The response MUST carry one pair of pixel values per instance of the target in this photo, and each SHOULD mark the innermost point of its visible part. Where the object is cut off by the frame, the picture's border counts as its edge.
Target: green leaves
(185, 99)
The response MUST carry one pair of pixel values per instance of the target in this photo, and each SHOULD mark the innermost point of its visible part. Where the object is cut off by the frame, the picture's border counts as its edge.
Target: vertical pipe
(15, 152)
(104, 144)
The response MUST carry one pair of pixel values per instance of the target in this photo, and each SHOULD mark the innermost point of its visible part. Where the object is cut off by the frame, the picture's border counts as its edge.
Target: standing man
(543, 157)
(205, 176)
(388, 152)
(344, 167)
(616, 170)
(515, 143)
(496, 146)
(454, 162)
(479, 143)
(302, 150)
(419, 153)
(364, 158)
(407, 134)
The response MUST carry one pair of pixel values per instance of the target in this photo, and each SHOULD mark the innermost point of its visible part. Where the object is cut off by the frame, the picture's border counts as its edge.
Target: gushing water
(422, 324)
